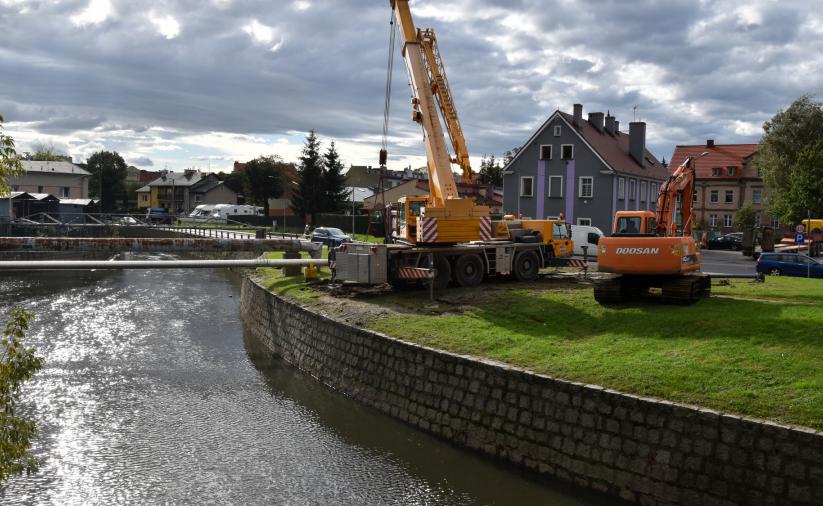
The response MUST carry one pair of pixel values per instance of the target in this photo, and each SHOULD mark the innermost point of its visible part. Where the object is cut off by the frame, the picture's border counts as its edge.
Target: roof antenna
(634, 112)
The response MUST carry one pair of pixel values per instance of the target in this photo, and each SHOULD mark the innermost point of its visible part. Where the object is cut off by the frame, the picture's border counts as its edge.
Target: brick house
(584, 170)
(726, 180)
(59, 178)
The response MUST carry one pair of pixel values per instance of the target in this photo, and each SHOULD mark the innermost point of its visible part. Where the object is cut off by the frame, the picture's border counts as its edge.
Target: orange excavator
(655, 250)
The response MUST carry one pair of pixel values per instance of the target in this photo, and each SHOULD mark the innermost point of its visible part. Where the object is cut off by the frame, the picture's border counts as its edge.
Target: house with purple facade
(583, 170)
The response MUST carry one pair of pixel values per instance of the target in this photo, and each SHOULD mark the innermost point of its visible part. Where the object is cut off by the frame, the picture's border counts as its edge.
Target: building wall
(219, 195)
(143, 199)
(642, 450)
(542, 204)
(30, 182)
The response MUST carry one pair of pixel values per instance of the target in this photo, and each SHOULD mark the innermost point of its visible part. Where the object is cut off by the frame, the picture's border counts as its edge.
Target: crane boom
(441, 180)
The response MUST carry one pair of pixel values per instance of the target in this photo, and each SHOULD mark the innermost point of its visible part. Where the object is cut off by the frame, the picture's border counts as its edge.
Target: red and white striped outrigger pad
(574, 262)
(414, 273)
(486, 228)
(428, 229)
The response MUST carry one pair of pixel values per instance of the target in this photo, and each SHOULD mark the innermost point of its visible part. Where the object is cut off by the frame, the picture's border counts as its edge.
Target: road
(727, 262)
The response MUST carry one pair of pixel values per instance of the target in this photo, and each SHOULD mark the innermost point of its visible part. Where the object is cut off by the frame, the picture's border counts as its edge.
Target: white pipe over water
(39, 265)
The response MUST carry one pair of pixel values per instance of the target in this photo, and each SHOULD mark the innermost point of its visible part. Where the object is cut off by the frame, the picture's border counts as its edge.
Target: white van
(581, 235)
(218, 213)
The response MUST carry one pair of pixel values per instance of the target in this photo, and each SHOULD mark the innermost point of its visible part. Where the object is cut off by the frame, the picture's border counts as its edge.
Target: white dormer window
(557, 130)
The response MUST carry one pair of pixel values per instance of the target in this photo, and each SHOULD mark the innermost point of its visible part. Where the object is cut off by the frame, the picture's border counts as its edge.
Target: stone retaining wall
(643, 450)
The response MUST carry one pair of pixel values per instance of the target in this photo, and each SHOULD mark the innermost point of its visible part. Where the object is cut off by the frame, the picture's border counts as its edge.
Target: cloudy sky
(201, 83)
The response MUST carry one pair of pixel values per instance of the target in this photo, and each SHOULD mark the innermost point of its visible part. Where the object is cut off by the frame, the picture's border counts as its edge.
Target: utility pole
(352, 212)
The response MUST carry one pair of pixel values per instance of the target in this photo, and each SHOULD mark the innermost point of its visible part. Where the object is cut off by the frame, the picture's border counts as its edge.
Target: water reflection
(150, 393)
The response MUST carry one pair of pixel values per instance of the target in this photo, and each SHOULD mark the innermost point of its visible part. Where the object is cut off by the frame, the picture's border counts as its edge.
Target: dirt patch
(359, 305)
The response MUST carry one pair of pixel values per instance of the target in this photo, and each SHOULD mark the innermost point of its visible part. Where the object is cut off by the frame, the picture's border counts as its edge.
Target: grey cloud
(329, 74)
(142, 161)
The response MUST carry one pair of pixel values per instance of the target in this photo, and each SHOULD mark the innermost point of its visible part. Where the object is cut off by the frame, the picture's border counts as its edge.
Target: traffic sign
(800, 228)
(800, 238)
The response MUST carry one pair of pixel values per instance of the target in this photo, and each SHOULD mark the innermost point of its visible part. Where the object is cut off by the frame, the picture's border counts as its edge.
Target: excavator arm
(680, 184)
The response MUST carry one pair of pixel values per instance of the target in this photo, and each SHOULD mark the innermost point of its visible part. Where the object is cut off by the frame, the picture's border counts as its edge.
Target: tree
(10, 165)
(46, 153)
(508, 156)
(745, 216)
(307, 199)
(335, 193)
(235, 181)
(112, 168)
(790, 160)
(490, 171)
(264, 180)
(17, 365)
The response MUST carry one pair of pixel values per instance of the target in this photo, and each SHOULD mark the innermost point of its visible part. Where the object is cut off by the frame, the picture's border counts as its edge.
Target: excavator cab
(635, 224)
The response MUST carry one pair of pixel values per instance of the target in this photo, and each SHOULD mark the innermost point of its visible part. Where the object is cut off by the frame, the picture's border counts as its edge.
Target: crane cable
(387, 99)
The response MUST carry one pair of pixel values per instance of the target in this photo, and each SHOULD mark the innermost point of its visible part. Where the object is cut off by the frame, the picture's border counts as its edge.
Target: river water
(152, 394)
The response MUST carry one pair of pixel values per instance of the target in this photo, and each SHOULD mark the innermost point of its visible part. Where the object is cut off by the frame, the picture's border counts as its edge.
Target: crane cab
(408, 211)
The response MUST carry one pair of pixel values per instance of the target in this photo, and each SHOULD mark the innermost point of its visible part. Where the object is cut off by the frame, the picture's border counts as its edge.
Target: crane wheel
(526, 266)
(468, 270)
(443, 272)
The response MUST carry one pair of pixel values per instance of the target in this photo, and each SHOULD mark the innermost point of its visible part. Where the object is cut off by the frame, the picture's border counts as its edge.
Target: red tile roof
(615, 151)
(720, 155)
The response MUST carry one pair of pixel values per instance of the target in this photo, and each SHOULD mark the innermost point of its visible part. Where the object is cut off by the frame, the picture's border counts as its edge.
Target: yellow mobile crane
(443, 237)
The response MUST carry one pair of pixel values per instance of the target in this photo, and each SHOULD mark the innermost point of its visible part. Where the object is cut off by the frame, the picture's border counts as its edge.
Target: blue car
(789, 264)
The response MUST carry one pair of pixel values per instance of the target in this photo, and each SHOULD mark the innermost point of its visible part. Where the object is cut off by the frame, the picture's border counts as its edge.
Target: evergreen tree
(490, 171)
(335, 193)
(307, 199)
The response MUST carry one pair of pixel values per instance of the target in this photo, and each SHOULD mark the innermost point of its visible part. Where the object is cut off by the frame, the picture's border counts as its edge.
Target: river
(151, 393)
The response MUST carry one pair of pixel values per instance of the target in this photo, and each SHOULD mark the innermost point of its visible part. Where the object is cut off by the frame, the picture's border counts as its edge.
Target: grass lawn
(753, 355)
(775, 287)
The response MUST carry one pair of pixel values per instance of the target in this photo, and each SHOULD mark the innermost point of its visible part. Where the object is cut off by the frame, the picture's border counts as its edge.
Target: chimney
(637, 141)
(596, 119)
(709, 143)
(610, 124)
(578, 115)
(616, 127)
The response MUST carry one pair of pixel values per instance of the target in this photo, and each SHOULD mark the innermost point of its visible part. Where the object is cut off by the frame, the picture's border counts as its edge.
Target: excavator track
(686, 289)
(608, 291)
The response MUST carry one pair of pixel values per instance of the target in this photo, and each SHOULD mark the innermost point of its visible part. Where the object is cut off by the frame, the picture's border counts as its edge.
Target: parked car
(733, 241)
(584, 235)
(789, 264)
(158, 215)
(331, 237)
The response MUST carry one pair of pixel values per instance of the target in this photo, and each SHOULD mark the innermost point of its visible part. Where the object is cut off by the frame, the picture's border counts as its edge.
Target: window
(774, 223)
(621, 188)
(729, 197)
(730, 171)
(629, 225)
(556, 187)
(586, 187)
(585, 222)
(557, 130)
(727, 220)
(526, 186)
(40, 189)
(757, 220)
(560, 231)
(15, 187)
(714, 196)
(545, 151)
(64, 191)
(198, 198)
(757, 196)
(712, 220)
(716, 171)
(694, 196)
(632, 187)
(144, 198)
(642, 191)
(566, 151)
(759, 172)
(654, 190)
